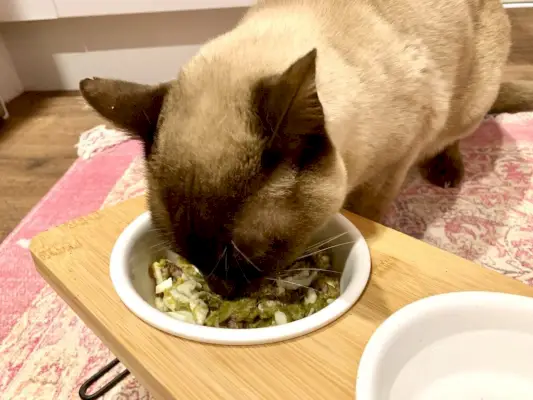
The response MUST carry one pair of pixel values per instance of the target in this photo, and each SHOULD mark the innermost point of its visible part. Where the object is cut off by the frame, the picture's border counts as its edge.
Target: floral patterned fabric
(46, 352)
(488, 220)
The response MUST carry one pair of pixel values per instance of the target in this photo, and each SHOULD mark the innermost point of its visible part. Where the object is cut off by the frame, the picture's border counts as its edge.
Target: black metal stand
(106, 388)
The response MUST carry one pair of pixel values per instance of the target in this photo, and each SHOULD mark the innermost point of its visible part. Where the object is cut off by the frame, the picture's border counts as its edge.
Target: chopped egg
(187, 287)
(165, 285)
(311, 296)
(280, 318)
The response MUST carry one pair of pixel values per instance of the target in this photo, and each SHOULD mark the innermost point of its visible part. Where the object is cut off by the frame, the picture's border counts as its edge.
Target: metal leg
(93, 379)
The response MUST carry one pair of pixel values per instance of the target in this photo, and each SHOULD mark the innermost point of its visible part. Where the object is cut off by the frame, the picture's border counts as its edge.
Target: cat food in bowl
(166, 291)
(307, 287)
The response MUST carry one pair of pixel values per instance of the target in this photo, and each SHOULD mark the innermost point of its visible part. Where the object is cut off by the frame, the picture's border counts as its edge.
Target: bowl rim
(122, 284)
(386, 334)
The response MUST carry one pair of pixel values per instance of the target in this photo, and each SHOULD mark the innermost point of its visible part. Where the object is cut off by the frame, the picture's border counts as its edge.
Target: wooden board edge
(83, 220)
(373, 231)
(137, 369)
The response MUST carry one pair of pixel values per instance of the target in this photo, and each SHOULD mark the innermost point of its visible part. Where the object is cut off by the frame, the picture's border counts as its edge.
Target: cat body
(398, 81)
(306, 106)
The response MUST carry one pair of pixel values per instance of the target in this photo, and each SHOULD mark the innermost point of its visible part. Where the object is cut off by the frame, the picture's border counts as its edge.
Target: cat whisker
(245, 257)
(323, 242)
(147, 117)
(322, 250)
(159, 246)
(287, 272)
(226, 267)
(289, 282)
(243, 274)
(218, 262)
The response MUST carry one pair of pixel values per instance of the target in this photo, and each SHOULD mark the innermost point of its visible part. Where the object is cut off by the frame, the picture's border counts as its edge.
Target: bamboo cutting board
(74, 259)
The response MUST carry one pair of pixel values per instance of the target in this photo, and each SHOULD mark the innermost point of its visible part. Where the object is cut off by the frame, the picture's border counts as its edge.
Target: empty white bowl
(455, 346)
(138, 247)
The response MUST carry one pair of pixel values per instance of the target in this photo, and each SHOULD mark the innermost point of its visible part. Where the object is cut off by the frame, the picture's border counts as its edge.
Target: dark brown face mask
(240, 199)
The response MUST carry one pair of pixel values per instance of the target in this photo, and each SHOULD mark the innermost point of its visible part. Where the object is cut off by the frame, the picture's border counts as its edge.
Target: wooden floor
(37, 143)
(36, 148)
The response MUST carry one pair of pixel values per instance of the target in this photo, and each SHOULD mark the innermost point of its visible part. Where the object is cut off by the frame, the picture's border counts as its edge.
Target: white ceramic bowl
(456, 346)
(137, 247)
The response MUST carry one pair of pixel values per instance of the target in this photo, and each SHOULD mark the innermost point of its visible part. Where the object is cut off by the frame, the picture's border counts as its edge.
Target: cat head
(240, 175)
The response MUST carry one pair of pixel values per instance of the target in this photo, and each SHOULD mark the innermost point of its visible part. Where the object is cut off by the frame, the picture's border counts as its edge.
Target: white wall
(10, 85)
(149, 48)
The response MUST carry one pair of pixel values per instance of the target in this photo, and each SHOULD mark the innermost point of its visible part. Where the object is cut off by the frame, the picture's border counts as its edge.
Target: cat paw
(445, 170)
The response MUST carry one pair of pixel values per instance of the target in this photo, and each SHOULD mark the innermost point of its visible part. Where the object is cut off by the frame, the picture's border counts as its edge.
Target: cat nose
(208, 254)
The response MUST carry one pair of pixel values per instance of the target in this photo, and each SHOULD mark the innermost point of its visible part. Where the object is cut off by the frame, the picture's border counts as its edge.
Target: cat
(305, 107)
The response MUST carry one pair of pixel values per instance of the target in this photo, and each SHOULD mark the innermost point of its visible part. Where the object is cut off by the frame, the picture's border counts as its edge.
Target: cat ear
(290, 113)
(130, 106)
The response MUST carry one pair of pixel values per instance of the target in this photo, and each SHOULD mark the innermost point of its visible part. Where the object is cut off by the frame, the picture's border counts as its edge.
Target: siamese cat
(305, 107)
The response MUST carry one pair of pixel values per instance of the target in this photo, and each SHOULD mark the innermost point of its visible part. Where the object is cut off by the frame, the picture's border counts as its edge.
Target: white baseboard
(146, 48)
(4, 114)
(10, 85)
(517, 4)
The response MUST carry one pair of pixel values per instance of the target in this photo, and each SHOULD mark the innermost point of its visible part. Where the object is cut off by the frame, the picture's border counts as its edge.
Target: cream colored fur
(399, 80)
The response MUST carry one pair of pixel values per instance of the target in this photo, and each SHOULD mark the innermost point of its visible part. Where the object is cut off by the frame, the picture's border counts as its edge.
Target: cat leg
(371, 200)
(446, 169)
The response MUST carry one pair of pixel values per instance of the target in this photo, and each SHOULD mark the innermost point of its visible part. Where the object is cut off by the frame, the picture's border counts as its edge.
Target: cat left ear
(290, 113)
(130, 106)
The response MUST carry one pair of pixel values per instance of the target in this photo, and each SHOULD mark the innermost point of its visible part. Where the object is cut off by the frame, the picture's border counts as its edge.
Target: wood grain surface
(74, 260)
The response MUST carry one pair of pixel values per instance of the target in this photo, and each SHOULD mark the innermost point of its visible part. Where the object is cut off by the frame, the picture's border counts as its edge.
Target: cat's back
(384, 61)
(351, 23)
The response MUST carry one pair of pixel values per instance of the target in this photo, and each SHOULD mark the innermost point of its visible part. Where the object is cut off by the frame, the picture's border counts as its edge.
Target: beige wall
(52, 55)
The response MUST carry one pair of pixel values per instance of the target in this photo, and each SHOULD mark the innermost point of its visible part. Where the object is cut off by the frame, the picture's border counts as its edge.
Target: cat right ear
(290, 115)
(130, 106)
